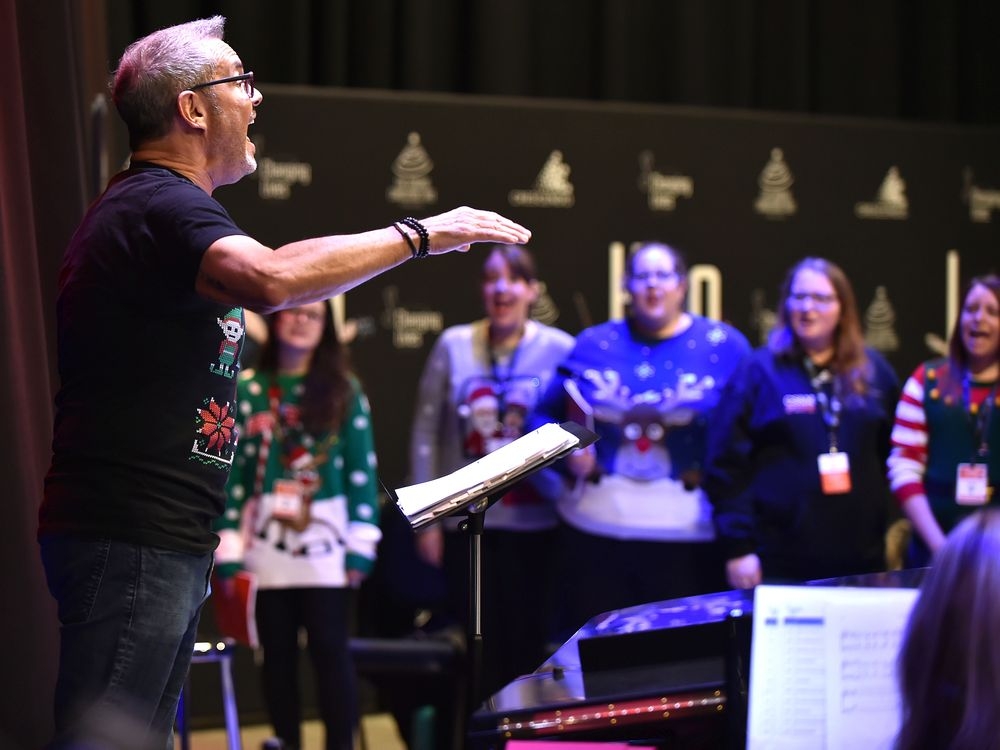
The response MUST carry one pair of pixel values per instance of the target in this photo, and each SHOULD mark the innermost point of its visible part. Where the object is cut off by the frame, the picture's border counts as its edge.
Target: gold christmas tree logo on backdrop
(880, 322)
(775, 200)
(412, 187)
(552, 187)
(891, 202)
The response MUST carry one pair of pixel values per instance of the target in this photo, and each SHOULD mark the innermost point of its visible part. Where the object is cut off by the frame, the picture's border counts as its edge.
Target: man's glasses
(245, 79)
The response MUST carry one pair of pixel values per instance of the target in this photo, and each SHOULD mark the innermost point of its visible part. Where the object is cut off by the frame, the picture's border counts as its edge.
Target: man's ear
(191, 109)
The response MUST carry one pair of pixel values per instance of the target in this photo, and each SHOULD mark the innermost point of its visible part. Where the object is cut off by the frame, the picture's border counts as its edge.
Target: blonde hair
(949, 662)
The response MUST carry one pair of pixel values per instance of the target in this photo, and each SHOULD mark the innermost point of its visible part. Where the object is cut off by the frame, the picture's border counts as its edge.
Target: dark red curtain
(43, 56)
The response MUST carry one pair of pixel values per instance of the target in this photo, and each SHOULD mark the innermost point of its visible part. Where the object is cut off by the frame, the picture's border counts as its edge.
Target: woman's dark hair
(958, 356)
(518, 258)
(949, 660)
(327, 386)
(850, 362)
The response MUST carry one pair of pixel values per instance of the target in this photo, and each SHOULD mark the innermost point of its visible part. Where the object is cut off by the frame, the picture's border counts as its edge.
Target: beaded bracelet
(425, 244)
(406, 236)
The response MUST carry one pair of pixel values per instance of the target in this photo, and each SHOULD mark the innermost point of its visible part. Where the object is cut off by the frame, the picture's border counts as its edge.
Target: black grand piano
(671, 674)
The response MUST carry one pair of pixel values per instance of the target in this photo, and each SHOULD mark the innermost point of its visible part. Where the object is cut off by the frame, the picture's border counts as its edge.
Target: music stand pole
(475, 513)
(473, 526)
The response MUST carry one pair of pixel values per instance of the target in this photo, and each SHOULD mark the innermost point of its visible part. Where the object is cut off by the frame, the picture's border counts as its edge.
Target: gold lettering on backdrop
(276, 178)
(939, 344)
(705, 291)
(951, 291)
(409, 327)
(704, 286)
(617, 297)
(338, 305)
(662, 190)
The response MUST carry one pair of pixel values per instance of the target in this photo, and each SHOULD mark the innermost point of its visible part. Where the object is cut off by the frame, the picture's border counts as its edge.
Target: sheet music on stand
(429, 501)
(823, 667)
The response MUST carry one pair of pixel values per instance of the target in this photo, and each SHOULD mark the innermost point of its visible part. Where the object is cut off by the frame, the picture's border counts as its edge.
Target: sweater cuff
(908, 491)
(362, 539)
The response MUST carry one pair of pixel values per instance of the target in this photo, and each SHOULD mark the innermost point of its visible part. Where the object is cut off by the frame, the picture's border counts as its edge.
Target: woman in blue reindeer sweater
(636, 525)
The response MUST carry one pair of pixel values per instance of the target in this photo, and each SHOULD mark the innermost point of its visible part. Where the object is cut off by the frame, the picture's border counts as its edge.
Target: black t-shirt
(144, 433)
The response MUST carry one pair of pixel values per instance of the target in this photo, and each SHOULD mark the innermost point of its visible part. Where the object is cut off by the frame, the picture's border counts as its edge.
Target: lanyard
(503, 381)
(980, 417)
(495, 364)
(826, 388)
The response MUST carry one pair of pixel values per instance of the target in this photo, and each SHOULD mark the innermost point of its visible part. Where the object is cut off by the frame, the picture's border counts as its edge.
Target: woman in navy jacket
(797, 448)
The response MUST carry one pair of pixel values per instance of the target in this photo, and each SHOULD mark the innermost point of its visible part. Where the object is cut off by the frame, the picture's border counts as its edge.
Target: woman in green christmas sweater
(302, 514)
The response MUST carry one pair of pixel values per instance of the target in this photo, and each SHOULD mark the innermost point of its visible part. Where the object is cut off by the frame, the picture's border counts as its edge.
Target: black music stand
(474, 509)
(475, 517)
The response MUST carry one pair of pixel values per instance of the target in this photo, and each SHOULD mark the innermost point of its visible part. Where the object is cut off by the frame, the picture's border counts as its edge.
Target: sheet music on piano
(424, 503)
(823, 667)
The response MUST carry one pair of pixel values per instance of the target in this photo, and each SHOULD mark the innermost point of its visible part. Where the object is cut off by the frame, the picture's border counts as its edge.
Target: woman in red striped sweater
(945, 460)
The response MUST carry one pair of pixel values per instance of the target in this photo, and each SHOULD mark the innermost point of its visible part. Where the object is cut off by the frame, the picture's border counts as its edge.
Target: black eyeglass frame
(245, 78)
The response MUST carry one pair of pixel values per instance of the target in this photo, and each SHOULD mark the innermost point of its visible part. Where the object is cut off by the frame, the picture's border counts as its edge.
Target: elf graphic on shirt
(229, 349)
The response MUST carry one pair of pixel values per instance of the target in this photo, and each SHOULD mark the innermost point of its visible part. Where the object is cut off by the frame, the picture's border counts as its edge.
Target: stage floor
(379, 729)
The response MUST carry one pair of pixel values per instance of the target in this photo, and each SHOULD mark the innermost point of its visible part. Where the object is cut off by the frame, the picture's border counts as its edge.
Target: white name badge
(287, 503)
(971, 484)
(834, 473)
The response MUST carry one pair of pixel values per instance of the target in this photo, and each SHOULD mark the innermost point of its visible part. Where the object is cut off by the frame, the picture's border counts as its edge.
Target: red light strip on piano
(616, 713)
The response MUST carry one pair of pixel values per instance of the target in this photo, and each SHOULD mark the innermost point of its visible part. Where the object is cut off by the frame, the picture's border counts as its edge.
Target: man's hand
(455, 230)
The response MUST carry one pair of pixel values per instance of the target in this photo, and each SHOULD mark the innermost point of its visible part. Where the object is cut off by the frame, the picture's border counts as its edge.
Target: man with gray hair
(150, 325)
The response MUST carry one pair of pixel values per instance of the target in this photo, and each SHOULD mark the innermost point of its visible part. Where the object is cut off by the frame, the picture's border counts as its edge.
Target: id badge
(971, 484)
(287, 499)
(834, 473)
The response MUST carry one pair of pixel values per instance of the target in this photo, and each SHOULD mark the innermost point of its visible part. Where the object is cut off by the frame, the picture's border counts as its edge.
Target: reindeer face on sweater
(644, 419)
(643, 454)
